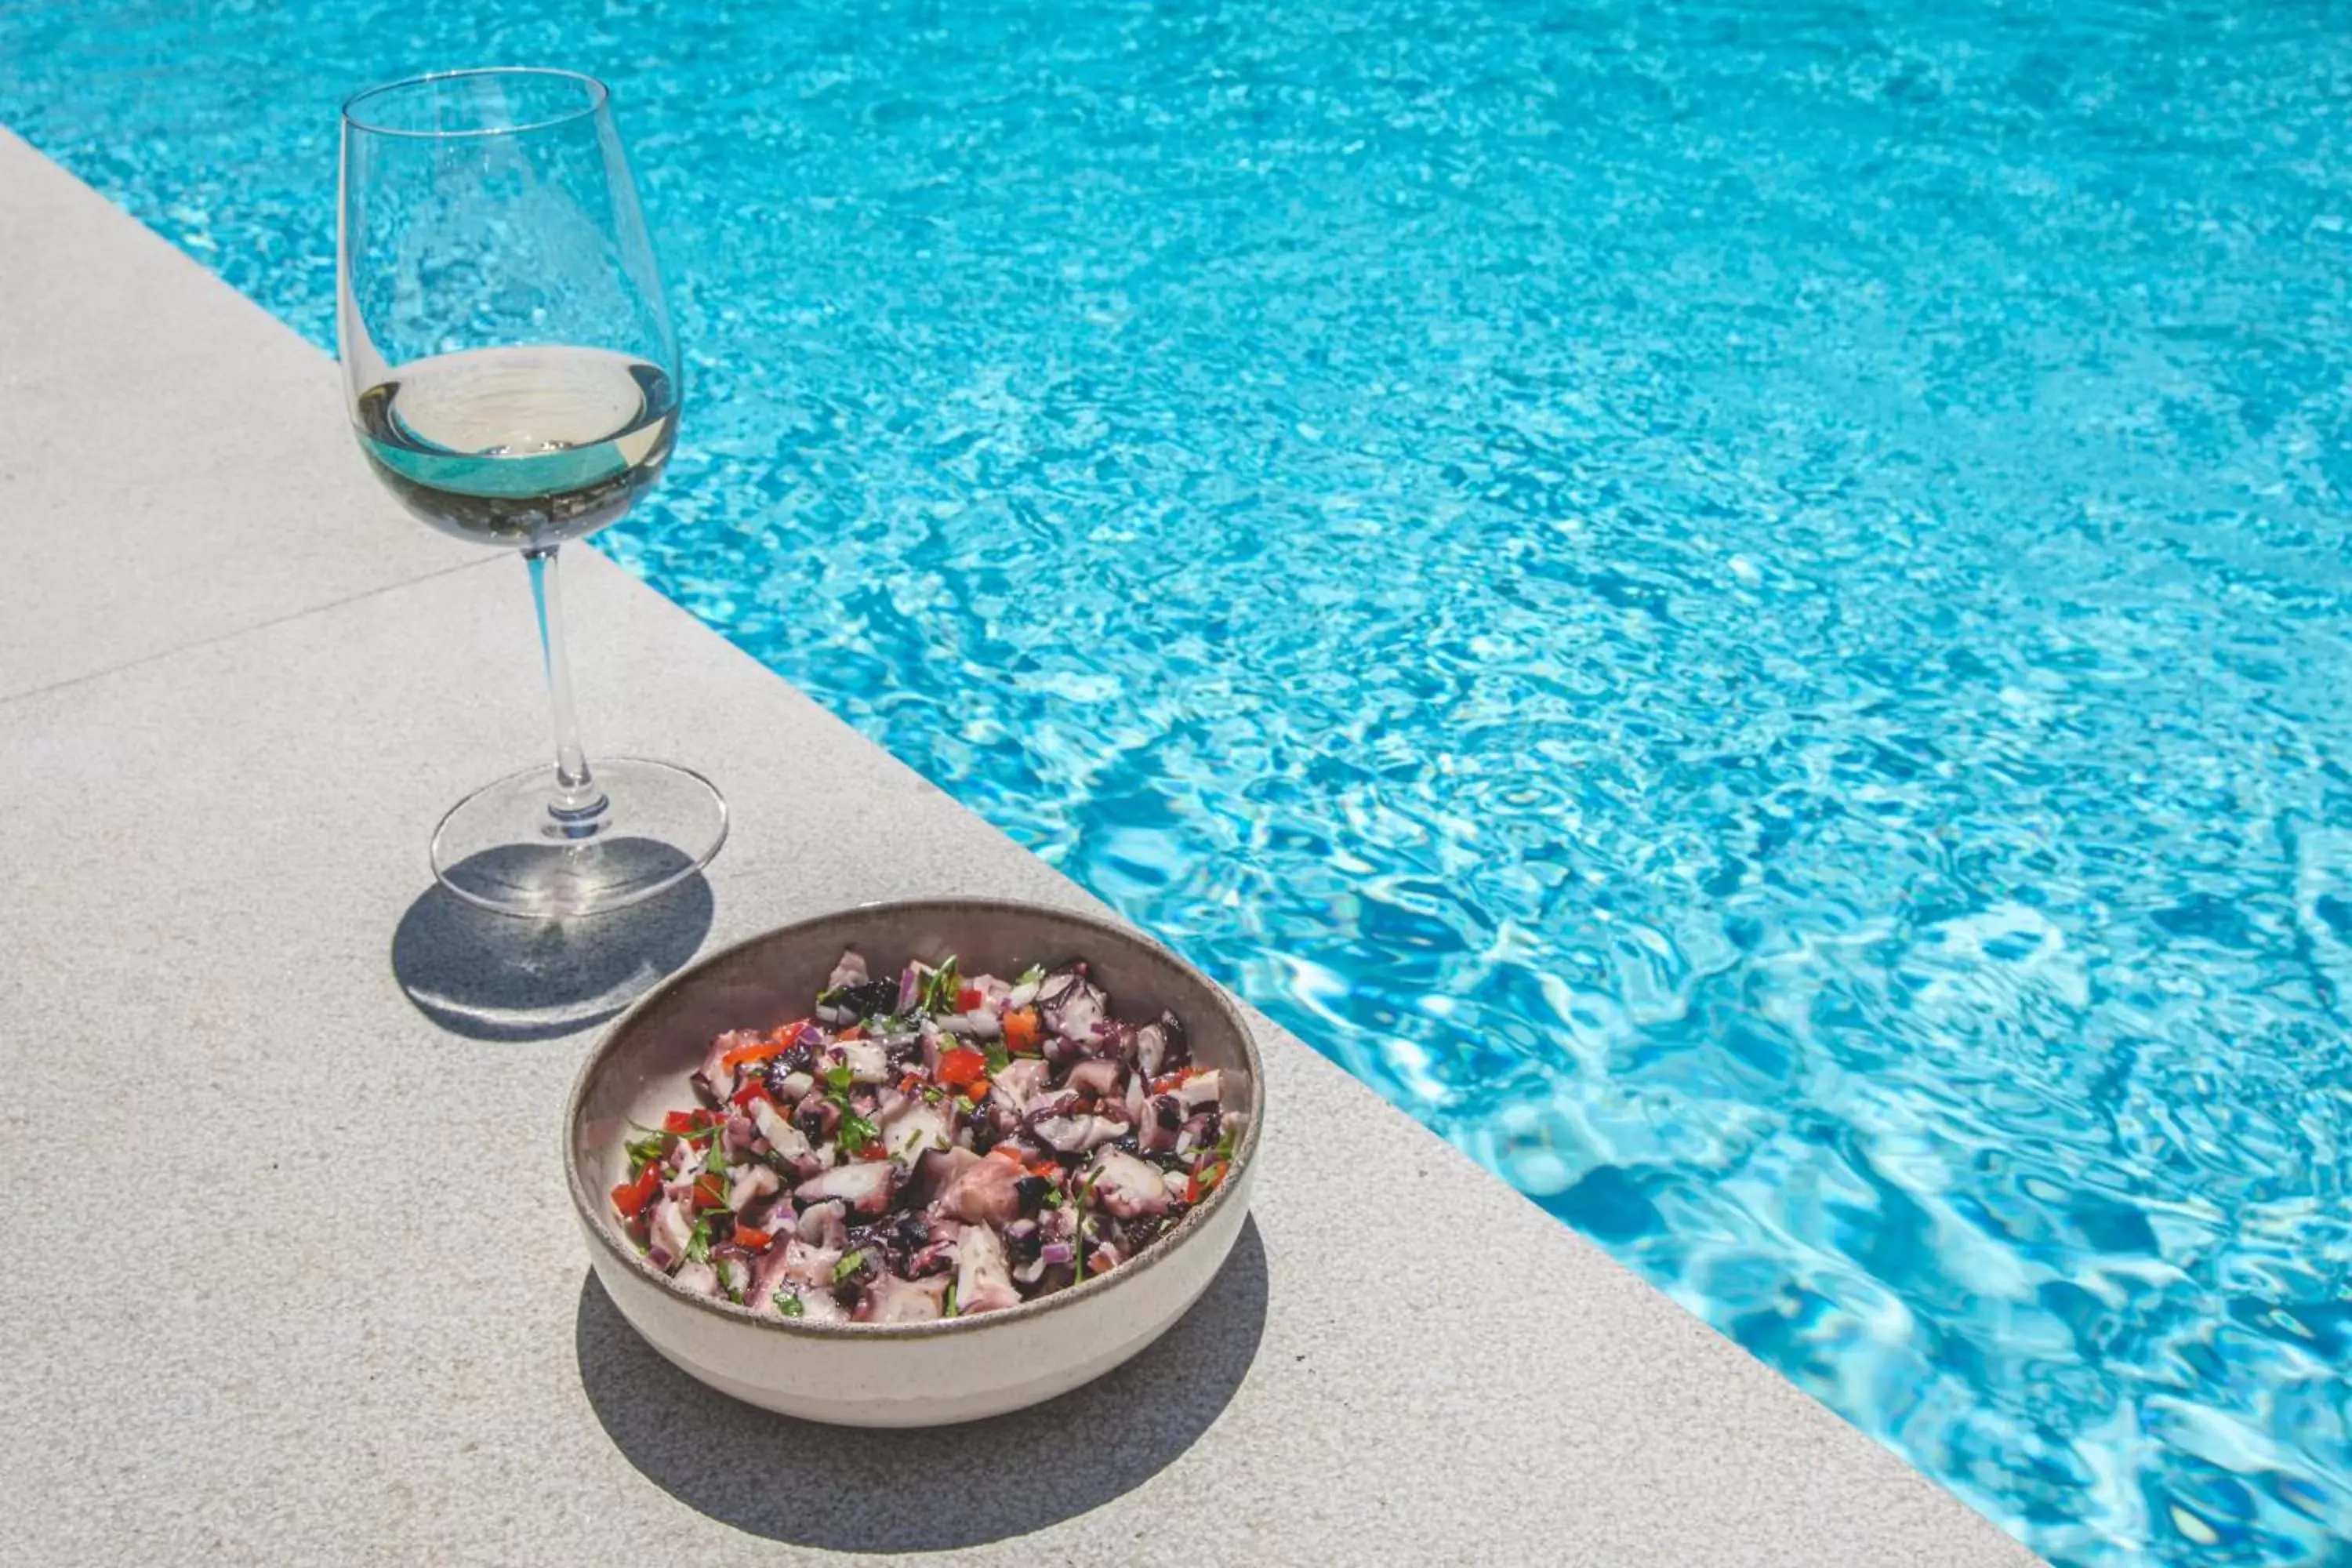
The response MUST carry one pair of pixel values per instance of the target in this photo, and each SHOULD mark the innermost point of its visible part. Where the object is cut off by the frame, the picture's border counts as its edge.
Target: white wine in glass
(513, 380)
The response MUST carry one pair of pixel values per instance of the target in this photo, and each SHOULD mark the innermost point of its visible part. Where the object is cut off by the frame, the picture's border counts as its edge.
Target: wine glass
(513, 380)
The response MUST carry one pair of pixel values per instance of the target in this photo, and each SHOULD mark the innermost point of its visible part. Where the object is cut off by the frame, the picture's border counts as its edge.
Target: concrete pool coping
(336, 1310)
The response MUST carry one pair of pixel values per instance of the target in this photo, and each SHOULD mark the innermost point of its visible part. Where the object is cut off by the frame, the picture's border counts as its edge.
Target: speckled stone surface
(292, 1276)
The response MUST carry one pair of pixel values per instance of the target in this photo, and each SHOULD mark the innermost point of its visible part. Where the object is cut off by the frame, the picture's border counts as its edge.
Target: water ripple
(1741, 607)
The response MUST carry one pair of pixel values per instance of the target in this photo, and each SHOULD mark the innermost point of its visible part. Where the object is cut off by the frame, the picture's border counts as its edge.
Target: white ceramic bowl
(901, 1374)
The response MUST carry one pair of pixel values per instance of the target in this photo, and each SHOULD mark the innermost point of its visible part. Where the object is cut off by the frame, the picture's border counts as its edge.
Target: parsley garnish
(941, 988)
(789, 1304)
(697, 1241)
(857, 1133)
(644, 1151)
(1031, 975)
(999, 1058)
(839, 1079)
(950, 1309)
(696, 1136)
(1052, 1198)
(848, 1265)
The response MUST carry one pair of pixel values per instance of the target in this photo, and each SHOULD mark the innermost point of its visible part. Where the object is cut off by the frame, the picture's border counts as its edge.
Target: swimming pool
(1742, 607)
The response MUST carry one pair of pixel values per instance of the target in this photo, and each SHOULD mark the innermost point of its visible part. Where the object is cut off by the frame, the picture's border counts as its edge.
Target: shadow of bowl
(858, 1489)
(495, 977)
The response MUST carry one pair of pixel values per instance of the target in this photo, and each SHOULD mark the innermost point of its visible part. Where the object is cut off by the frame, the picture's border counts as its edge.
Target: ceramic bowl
(901, 1374)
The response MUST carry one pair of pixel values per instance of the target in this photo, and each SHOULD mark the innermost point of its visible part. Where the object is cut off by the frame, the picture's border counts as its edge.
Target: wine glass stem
(577, 803)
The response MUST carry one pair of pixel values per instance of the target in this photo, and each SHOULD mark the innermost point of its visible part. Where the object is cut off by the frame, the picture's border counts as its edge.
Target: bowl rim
(585, 1203)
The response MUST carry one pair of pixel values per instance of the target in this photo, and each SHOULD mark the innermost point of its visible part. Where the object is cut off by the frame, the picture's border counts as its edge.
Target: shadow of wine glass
(848, 1489)
(495, 977)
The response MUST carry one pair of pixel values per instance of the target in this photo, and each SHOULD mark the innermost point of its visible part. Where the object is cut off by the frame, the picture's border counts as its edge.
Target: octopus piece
(714, 1080)
(788, 1142)
(1201, 1091)
(1073, 1132)
(817, 1116)
(913, 1127)
(1100, 1078)
(1020, 1083)
(747, 1184)
(864, 1184)
(737, 1137)
(826, 1226)
(1162, 1119)
(984, 1277)
(1157, 1044)
(667, 1233)
(936, 1256)
(890, 1299)
(702, 1279)
(1126, 1187)
(866, 1059)
(795, 1269)
(1070, 1004)
(974, 1188)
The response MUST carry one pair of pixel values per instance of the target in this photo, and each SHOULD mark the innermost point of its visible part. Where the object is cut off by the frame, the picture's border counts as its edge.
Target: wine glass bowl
(513, 380)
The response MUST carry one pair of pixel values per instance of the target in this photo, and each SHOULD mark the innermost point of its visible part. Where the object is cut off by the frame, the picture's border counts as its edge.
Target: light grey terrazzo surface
(292, 1274)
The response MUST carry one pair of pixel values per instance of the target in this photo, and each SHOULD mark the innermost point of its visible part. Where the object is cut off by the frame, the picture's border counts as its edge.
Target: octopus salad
(933, 1145)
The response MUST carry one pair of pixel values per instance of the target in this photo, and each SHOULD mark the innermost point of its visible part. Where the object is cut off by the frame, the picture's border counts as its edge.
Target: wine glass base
(507, 849)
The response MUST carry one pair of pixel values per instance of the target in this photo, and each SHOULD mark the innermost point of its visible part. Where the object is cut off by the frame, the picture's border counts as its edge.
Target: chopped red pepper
(753, 1238)
(969, 998)
(709, 1193)
(979, 1090)
(1204, 1182)
(1021, 1030)
(964, 1065)
(774, 1045)
(754, 1090)
(910, 1083)
(854, 1032)
(631, 1197)
(688, 1122)
(1045, 1168)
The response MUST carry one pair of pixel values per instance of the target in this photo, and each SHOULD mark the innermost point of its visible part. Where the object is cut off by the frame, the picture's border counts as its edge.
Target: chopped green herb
(949, 1310)
(839, 1079)
(999, 1058)
(697, 1241)
(1052, 1198)
(696, 1136)
(857, 1133)
(717, 1163)
(1031, 975)
(644, 1151)
(789, 1304)
(941, 988)
(848, 1265)
(933, 1094)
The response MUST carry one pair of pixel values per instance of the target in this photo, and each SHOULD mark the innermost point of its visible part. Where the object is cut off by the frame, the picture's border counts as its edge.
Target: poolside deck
(294, 1276)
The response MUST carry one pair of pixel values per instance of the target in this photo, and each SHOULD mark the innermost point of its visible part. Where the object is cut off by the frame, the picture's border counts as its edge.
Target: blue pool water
(1741, 606)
